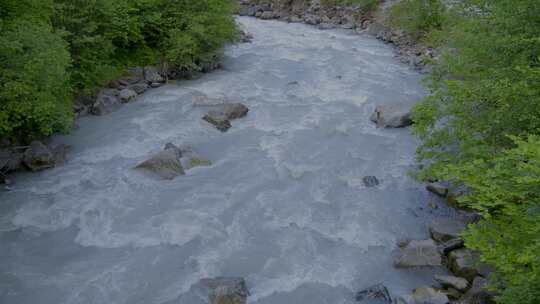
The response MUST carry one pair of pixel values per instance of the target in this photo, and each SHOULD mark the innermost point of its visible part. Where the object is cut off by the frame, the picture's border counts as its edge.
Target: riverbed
(283, 204)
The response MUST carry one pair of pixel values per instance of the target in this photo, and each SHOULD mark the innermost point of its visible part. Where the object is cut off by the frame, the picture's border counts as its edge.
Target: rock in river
(391, 117)
(165, 164)
(224, 290)
(428, 295)
(106, 102)
(222, 115)
(419, 253)
(377, 294)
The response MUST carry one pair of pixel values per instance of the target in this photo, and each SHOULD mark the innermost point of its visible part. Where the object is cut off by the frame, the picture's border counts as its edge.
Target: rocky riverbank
(361, 19)
(43, 154)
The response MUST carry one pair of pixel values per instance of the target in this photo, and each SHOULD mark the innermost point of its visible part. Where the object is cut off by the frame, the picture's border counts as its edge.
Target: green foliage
(418, 17)
(507, 190)
(480, 128)
(34, 88)
(366, 5)
(52, 49)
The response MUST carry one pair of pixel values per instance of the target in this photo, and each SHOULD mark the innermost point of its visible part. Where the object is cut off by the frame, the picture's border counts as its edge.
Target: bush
(34, 87)
(418, 17)
(52, 49)
(481, 127)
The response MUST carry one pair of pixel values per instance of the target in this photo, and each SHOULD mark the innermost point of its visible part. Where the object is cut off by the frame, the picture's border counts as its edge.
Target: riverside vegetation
(54, 50)
(481, 126)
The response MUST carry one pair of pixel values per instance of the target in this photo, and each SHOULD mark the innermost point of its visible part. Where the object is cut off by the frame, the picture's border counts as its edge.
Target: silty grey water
(283, 205)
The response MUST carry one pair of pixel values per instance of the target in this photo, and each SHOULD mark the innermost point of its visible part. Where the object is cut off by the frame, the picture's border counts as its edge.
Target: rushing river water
(283, 204)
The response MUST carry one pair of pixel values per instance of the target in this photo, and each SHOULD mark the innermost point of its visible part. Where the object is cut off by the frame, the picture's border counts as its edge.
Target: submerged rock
(191, 159)
(419, 253)
(165, 164)
(391, 117)
(221, 116)
(38, 157)
(428, 295)
(370, 181)
(377, 294)
(446, 229)
(225, 290)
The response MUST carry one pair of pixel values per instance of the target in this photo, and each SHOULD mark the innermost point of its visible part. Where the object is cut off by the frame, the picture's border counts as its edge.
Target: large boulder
(478, 294)
(448, 281)
(225, 290)
(165, 164)
(222, 115)
(466, 263)
(38, 157)
(428, 295)
(438, 188)
(10, 160)
(419, 253)
(151, 75)
(107, 101)
(377, 294)
(127, 95)
(391, 117)
(446, 229)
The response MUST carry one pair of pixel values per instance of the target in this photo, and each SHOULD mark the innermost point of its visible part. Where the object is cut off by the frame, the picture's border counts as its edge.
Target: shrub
(34, 88)
(418, 17)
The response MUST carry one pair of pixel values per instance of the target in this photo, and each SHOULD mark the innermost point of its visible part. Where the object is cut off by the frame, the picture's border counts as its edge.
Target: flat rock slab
(222, 115)
(428, 295)
(419, 253)
(391, 117)
(376, 294)
(446, 229)
(226, 290)
(165, 164)
(448, 281)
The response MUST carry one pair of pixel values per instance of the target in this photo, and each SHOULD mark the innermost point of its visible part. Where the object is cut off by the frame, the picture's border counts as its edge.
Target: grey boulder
(38, 157)
(127, 95)
(152, 75)
(222, 115)
(448, 281)
(106, 102)
(391, 117)
(446, 229)
(165, 164)
(419, 253)
(226, 290)
(428, 295)
(478, 294)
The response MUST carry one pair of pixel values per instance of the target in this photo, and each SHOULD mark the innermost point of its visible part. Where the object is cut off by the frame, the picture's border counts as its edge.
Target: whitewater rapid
(283, 204)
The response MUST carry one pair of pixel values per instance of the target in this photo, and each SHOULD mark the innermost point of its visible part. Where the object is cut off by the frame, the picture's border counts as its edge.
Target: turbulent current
(283, 204)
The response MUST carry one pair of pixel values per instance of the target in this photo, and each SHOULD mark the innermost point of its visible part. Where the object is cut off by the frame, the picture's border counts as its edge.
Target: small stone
(419, 253)
(378, 293)
(428, 295)
(370, 181)
(225, 290)
(448, 281)
(156, 85)
(445, 229)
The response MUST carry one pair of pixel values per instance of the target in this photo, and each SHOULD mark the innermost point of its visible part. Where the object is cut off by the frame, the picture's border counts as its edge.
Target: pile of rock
(120, 91)
(35, 157)
(468, 283)
(309, 12)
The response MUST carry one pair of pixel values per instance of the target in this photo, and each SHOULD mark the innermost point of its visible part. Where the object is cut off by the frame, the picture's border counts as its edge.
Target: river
(283, 204)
